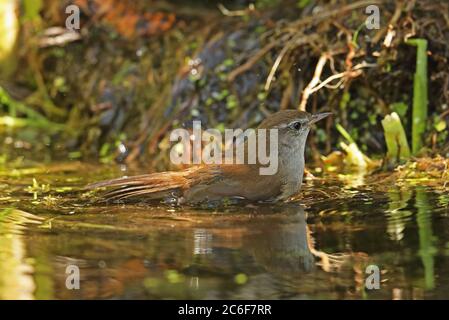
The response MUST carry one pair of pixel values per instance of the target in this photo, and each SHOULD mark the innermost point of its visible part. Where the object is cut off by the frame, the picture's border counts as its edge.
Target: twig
(236, 13)
(389, 37)
(248, 64)
(276, 65)
(315, 80)
(393, 21)
(58, 37)
(354, 72)
(295, 41)
(317, 18)
(316, 84)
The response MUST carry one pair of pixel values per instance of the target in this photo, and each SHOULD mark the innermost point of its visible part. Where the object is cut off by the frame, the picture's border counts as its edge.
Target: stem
(397, 145)
(420, 96)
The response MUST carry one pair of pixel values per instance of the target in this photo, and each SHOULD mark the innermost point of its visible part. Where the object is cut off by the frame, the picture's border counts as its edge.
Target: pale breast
(291, 171)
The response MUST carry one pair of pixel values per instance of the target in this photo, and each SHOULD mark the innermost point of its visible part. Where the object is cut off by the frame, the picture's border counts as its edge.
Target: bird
(218, 182)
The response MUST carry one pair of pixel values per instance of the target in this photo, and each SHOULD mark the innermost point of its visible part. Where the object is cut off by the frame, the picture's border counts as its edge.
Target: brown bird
(214, 182)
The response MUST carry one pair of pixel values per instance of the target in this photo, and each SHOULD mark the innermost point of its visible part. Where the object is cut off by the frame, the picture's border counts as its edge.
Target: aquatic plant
(397, 145)
(420, 95)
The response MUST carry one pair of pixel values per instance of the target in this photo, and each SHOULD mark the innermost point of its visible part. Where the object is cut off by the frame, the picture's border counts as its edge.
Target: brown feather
(155, 185)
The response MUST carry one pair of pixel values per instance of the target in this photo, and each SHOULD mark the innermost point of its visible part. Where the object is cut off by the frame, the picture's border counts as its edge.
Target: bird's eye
(297, 125)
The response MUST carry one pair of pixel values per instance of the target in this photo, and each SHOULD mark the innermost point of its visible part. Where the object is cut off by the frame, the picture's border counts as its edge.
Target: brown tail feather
(123, 181)
(149, 193)
(155, 185)
(144, 184)
(114, 192)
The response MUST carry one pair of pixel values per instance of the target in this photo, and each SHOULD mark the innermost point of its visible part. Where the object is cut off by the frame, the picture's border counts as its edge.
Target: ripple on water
(267, 251)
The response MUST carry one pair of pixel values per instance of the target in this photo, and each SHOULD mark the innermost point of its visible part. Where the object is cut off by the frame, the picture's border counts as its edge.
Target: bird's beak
(318, 116)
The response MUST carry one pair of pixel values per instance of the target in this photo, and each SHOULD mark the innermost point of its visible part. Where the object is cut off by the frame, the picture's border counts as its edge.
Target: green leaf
(400, 108)
(31, 9)
(440, 125)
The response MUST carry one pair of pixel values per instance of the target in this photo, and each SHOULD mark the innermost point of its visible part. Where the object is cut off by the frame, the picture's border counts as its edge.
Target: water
(318, 249)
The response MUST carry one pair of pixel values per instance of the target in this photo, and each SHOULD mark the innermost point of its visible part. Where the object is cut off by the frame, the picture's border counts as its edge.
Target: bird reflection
(287, 245)
(209, 255)
(278, 238)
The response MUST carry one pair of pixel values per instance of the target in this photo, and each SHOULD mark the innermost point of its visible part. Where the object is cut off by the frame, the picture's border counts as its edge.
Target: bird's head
(293, 126)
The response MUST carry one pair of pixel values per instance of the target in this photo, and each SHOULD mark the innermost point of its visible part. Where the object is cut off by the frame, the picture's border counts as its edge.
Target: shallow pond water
(316, 248)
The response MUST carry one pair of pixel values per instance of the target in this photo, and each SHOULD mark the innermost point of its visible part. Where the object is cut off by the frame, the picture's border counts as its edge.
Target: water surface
(316, 248)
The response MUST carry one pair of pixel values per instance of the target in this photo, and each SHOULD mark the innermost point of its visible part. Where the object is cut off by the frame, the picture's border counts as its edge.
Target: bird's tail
(154, 185)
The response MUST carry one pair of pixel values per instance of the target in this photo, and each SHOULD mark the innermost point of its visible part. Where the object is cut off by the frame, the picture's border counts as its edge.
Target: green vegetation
(115, 91)
(420, 95)
(30, 117)
(427, 248)
(9, 31)
(397, 145)
(354, 157)
(86, 105)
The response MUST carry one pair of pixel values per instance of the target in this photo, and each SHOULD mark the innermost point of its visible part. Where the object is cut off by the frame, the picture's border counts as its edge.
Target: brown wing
(241, 181)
